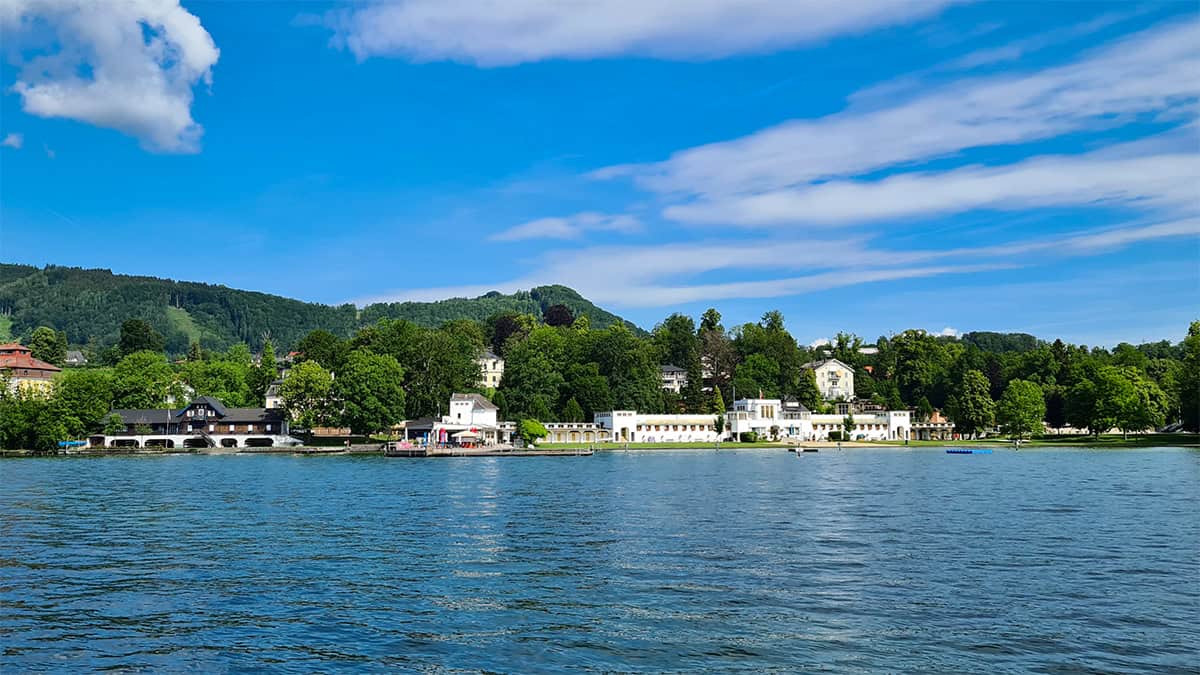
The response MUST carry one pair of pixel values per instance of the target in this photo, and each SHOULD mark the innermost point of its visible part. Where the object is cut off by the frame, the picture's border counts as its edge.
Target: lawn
(1104, 441)
(657, 446)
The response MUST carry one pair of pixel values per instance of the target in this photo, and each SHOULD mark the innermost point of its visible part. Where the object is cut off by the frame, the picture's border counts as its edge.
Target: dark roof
(212, 403)
(231, 416)
(479, 400)
(669, 368)
(792, 404)
(252, 415)
(205, 400)
(144, 416)
(422, 423)
(488, 354)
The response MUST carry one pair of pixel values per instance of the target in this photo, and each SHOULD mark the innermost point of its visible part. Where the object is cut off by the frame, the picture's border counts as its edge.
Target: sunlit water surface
(868, 560)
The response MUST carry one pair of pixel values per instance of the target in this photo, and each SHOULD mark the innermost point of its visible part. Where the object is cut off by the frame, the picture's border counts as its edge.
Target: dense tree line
(89, 305)
(560, 366)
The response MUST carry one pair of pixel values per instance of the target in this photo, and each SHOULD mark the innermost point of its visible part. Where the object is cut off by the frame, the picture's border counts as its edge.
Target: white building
(629, 426)
(773, 418)
(491, 369)
(472, 420)
(471, 410)
(835, 380)
(674, 378)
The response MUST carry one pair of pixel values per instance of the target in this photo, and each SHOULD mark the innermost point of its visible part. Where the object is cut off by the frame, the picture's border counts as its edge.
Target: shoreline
(1181, 441)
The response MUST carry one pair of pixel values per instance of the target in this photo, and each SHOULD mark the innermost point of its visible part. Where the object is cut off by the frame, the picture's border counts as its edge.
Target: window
(231, 428)
(212, 427)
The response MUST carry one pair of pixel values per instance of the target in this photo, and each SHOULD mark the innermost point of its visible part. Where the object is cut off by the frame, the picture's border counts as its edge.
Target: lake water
(1054, 561)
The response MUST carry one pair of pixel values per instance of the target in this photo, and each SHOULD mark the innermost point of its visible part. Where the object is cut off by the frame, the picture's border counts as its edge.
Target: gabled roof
(210, 402)
(22, 359)
(670, 368)
(231, 416)
(489, 354)
(478, 399)
(791, 403)
(813, 365)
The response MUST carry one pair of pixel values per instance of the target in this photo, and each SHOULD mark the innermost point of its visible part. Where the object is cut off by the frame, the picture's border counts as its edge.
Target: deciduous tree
(971, 405)
(1020, 410)
(49, 345)
(368, 386)
(137, 336)
(307, 395)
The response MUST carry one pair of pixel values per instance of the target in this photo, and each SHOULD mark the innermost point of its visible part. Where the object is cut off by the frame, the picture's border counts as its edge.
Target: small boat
(967, 451)
(811, 450)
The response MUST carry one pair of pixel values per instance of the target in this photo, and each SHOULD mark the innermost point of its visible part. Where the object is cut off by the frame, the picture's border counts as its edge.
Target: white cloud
(14, 141)
(487, 33)
(819, 342)
(1156, 181)
(949, 332)
(1014, 51)
(1153, 72)
(569, 227)
(670, 274)
(127, 65)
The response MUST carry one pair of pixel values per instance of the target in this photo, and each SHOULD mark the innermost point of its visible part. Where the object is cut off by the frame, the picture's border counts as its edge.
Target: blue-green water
(858, 561)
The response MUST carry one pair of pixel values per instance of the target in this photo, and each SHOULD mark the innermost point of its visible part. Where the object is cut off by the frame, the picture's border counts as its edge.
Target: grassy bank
(1103, 441)
(656, 446)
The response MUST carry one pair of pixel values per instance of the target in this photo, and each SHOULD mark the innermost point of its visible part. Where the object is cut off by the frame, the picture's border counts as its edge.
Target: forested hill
(90, 305)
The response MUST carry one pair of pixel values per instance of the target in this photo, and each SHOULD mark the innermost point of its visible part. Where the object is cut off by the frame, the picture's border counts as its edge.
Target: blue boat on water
(968, 451)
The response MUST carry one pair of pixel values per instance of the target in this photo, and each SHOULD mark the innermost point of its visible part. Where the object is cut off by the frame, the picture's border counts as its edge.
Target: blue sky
(861, 165)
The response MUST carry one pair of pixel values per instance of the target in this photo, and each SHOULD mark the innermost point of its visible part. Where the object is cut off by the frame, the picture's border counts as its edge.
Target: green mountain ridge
(90, 305)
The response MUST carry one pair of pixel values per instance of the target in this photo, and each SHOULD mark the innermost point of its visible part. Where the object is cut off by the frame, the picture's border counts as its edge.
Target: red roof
(27, 362)
(13, 347)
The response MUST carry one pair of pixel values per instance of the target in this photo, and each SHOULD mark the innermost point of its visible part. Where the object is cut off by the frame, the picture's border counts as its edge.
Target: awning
(466, 434)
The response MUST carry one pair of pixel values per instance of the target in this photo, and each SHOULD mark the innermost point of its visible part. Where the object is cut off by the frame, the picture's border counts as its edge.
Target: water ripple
(868, 561)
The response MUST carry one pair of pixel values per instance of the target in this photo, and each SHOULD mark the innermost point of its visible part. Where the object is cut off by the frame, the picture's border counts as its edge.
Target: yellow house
(24, 372)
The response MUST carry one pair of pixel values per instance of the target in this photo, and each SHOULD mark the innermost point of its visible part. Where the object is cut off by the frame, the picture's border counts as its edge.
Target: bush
(748, 437)
(532, 430)
(837, 436)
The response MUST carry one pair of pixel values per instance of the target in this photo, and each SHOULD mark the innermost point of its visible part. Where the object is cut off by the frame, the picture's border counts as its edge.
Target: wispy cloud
(1018, 49)
(482, 33)
(1159, 181)
(663, 275)
(570, 227)
(1152, 72)
(128, 66)
(14, 141)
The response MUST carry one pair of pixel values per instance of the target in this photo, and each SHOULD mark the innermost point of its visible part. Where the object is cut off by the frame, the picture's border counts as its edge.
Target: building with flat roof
(780, 419)
(630, 426)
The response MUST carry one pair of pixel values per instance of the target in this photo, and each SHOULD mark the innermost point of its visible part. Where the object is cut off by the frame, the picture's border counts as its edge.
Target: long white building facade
(630, 426)
(774, 418)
